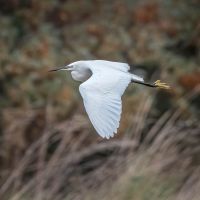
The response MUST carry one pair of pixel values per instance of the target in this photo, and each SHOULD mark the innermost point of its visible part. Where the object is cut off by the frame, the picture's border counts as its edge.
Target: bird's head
(70, 67)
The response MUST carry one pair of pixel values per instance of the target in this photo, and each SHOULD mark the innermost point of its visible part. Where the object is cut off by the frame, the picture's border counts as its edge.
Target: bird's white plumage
(102, 96)
(104, 82)
(114, 65)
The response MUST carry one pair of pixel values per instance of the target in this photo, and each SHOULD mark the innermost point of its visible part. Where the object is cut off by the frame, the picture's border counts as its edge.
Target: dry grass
(66, 163)
(48, 148)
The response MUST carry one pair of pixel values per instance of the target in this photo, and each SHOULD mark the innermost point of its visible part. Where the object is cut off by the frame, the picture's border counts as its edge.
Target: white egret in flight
(104, 82)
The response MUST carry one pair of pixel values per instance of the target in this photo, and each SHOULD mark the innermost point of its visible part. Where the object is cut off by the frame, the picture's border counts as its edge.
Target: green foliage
(149, 187)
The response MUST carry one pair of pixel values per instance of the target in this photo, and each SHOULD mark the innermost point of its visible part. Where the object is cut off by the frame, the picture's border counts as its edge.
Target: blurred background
(49, 149)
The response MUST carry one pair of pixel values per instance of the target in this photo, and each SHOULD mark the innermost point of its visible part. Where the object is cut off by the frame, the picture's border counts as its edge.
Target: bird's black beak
(60, 68)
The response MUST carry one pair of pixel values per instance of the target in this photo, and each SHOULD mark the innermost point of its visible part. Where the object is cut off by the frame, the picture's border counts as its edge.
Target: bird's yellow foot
(161, 85)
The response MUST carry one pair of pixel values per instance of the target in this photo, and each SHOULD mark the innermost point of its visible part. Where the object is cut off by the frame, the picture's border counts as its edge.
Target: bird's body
(84, 69)
(104, 82)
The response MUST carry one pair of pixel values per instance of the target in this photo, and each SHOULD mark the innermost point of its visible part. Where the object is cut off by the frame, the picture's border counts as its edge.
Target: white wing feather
(124, 67)
(110, 64)
(101, 95)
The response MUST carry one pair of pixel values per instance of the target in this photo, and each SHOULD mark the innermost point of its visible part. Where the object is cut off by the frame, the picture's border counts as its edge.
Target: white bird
(104, 82)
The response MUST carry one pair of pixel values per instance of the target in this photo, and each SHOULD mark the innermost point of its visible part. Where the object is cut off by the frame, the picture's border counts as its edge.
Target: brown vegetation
(48, 148)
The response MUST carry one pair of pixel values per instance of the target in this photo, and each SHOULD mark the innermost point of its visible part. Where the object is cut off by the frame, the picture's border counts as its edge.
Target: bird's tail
(137, 78)
(158, 83)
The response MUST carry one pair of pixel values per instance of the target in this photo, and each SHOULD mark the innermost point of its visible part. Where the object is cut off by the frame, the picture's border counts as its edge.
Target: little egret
(104, 82)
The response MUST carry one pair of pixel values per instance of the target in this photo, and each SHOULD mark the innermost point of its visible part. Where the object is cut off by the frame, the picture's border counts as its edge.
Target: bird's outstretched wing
(101, 95)
(110, 64)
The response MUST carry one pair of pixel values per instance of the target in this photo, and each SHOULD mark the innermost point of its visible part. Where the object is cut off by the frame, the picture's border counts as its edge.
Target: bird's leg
(157, 84)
